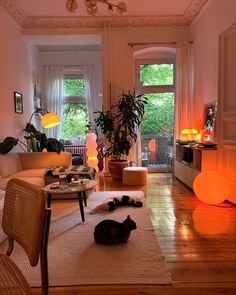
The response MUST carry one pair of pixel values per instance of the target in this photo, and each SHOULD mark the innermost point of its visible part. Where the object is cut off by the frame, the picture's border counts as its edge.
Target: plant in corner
(36, 142)
(120, 127)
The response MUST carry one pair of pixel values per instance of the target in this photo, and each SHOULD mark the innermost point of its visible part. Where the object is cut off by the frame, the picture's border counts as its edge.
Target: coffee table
(80, 187)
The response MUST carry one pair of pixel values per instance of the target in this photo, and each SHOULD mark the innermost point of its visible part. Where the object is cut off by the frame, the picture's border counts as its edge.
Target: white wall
(217, 16)
(15, 73)
(119, 57)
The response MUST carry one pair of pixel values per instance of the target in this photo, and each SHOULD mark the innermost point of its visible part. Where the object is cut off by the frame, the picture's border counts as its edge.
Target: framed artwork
(18, 100)
(210, 111)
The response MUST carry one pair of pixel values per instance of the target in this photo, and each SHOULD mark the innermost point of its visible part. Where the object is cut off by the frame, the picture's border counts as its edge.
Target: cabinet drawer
(190, 176)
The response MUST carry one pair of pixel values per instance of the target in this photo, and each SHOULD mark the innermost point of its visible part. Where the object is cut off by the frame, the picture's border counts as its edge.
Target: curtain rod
(67, 66)
(154, 43)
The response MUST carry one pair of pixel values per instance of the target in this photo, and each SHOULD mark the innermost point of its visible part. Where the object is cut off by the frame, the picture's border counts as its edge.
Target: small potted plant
(120, 126)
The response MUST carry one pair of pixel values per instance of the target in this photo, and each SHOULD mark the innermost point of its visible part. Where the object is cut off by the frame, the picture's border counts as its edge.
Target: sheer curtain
(54, 93)
(184, 112)
(90, 90)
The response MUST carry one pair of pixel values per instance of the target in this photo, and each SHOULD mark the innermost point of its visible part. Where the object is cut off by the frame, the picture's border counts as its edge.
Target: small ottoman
(135, 175)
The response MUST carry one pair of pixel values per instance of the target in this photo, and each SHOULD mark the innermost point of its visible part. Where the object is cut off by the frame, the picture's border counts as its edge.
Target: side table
(73, 187)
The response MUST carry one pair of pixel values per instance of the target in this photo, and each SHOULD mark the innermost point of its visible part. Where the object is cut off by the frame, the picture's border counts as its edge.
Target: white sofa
(29, 167)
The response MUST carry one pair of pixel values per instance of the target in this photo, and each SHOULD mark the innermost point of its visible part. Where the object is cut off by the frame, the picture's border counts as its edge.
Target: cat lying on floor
(111, 232)
(110, 204)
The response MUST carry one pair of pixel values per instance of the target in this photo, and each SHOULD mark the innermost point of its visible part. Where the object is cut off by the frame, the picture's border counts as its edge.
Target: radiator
(78, 149)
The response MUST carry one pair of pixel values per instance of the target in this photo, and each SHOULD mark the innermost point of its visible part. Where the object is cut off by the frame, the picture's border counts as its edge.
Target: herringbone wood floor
(198, 241)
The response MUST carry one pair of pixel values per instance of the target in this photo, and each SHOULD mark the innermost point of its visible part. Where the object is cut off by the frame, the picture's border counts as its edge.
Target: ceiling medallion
(72, 6)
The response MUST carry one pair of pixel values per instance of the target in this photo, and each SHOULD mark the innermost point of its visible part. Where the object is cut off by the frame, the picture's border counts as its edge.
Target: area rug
(75, 259)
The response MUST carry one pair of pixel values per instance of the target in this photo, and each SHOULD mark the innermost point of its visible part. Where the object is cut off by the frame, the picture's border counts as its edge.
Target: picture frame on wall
(18, 101)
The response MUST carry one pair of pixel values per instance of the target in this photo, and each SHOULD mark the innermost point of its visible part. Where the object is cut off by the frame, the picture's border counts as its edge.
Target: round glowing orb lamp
(211, 187)
(50, 120)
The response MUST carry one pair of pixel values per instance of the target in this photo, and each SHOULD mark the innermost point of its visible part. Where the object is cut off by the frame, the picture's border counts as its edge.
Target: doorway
(156, 80)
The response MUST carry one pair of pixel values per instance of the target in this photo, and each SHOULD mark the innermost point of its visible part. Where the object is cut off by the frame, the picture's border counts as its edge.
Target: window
(75, 112)
(155, 78)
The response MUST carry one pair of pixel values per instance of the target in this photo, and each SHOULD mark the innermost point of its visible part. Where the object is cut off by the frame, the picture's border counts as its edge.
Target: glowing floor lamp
(48, 120)
(211, 187)
(32, 135)
(91, 146)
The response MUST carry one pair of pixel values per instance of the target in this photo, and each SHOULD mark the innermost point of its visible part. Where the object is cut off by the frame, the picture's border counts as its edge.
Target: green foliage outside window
(156, 74)
(75, 119)
(73, 87)
(159, 114)
(75, 115)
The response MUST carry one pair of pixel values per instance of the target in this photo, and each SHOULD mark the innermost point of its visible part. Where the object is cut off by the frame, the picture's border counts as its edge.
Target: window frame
(74, 98)
(154, 88)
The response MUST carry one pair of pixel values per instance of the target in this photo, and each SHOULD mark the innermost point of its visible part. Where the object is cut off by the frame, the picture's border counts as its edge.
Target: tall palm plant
(121, 123)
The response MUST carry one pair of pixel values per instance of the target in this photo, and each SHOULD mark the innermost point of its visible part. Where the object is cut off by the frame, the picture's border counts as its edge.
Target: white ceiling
(31, 14)
(134, 7)
(52, 14)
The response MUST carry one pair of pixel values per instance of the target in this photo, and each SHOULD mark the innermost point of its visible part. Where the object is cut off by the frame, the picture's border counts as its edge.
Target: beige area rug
(75, 259)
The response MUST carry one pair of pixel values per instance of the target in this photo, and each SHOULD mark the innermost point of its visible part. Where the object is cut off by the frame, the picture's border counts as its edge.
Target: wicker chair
(26, 220)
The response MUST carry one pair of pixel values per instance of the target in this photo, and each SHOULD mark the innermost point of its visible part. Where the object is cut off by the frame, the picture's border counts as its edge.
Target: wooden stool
(135, 175)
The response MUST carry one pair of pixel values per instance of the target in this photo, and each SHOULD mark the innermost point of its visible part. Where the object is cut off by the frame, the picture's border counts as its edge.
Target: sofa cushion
(34, 180)
(39, 172)
(9, 164)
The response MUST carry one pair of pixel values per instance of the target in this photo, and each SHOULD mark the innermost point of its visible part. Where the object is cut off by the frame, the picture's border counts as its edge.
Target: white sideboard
(190, 161)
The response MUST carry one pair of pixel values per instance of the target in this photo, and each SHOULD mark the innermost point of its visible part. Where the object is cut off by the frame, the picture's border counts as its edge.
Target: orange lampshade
(211, 187)
(193, 131)
(185, 134)
(189, 134)
(50, 120)
(185, 131)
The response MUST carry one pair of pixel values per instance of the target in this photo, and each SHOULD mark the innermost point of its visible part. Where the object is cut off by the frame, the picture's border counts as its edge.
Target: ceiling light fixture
(72, 6)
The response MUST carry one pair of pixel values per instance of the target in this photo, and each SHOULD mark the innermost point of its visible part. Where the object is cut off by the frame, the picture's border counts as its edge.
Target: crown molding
(37, 22)
(14, 10)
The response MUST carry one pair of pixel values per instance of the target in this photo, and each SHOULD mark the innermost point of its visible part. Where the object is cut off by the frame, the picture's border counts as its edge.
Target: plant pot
(116, 168)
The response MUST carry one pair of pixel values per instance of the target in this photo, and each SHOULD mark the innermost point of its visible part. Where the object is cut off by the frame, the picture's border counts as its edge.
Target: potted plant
(120, 127)
(36, 142)
(9, 142)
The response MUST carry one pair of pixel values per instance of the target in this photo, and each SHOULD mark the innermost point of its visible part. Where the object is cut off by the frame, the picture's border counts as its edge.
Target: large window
(155, 78)
(75, 112)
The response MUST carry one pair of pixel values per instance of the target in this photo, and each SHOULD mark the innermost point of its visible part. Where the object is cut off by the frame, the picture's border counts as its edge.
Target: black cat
(110, 232)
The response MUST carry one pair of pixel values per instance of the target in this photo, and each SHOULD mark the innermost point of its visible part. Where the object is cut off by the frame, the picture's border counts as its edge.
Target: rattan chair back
(26, 220)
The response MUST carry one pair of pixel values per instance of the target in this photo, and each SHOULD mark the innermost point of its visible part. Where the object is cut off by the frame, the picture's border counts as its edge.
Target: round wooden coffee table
(80, 187)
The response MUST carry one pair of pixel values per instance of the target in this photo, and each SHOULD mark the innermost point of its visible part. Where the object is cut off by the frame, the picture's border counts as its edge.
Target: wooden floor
(198, 241)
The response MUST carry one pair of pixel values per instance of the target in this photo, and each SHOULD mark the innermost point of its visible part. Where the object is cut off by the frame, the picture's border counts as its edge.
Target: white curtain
(54, 94)
(184, 108)
(90, 90)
